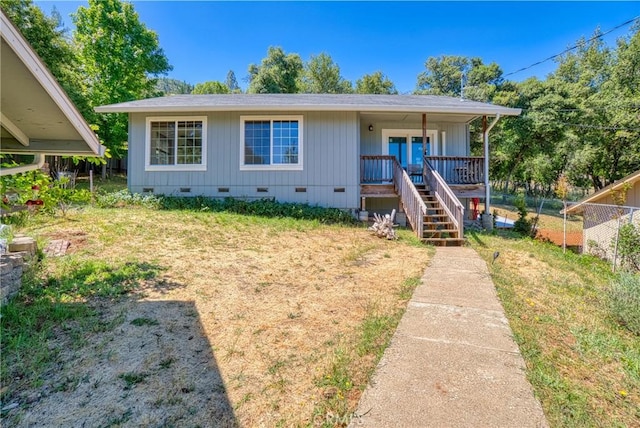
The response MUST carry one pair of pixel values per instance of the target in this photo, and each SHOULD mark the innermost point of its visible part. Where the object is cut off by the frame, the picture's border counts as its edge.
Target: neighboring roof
(36, 114)
(604, 192)
(311, 102)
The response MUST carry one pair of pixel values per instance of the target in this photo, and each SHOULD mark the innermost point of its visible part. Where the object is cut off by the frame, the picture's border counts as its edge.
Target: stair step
(444, 242)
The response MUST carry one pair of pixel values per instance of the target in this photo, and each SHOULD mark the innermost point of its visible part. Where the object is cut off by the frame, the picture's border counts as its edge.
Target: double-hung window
(271, 142)
(176, 143)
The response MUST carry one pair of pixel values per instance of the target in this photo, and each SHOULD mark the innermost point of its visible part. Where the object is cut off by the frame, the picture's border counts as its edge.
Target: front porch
(425, 193)
(464, 175)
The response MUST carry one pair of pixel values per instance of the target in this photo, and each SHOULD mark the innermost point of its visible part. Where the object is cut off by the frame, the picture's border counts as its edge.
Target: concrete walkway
(452, 362)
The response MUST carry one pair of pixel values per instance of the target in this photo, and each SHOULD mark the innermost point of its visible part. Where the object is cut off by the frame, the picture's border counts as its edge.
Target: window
(176, 143)
(273, 142)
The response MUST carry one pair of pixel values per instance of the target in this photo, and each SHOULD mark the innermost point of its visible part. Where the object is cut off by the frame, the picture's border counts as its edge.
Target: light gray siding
(330, 159)
(456, 144)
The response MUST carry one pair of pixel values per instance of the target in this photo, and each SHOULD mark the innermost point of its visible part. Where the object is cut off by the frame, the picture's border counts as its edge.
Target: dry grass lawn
(242, 324)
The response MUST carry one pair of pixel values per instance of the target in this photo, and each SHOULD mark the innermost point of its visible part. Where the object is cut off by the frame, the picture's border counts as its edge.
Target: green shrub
(629, 247)
(522, 225)
(260, 207)
(124, 198)
(624, 295)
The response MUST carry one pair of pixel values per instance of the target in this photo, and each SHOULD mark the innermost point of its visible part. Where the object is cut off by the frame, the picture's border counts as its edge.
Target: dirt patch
(77, 238)
(574, 239)
(254, 314)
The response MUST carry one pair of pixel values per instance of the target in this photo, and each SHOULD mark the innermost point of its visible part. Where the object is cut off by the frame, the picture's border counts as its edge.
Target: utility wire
(574, 47)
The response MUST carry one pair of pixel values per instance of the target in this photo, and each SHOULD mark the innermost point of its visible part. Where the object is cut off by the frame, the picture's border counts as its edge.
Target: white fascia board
(14, 130)
(26, 54)
(504, 111)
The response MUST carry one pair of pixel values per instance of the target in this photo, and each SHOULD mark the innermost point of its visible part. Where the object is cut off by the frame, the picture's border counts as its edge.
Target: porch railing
(414, 206)
(451, 204)
(376, 169)
(458, 169)
(383, 169)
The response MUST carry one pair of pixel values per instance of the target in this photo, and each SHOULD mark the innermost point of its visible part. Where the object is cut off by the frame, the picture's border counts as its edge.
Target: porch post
(487, 192)
(424, 143)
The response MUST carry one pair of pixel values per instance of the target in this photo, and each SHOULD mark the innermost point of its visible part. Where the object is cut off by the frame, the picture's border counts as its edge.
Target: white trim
(14, 130)
(431, 133)
(40, 72)
(274, 167)
(176, 167)
(444, 144)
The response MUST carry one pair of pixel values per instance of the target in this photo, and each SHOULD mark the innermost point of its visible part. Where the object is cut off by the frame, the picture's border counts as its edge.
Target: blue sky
(203, 40)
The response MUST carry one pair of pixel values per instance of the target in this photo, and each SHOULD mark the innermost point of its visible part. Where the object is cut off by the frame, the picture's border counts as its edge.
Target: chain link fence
(601, 228)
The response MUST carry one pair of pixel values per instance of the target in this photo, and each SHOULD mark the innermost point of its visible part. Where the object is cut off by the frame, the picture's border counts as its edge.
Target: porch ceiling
(36, 114)
(415, 117)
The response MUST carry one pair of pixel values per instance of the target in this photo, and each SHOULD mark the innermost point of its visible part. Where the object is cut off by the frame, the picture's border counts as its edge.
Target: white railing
(451, 204)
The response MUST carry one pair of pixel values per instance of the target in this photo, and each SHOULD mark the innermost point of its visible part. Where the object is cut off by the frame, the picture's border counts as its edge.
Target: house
(36, 115)
(367, 152)
(605, 211)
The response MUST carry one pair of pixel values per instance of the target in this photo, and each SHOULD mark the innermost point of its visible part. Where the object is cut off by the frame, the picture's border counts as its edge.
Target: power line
(574, 47)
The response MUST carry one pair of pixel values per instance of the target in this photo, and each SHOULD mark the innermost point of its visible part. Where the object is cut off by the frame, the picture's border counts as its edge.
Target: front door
(406, 146)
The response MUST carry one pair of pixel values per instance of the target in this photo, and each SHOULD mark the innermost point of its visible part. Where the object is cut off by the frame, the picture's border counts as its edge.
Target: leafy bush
(624, 295)
(522, 225)
(259, 207)
(124, 198)
(37, 188)
(629, 246)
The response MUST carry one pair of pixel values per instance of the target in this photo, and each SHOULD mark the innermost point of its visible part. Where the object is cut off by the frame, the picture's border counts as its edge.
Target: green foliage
(260, 207)
(123, 198)
(322, 76)
(278, 73)
(232, 83)
(211, 87)
(443, 76)
(522, 225)
(118, 55)
(624, 295)
(34, 186)
(629, 246)
(376, 83)
(168, 86)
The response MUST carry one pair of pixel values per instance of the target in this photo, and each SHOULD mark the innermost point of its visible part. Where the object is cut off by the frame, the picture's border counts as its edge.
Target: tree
(445, 76)
(49, 39)
(232, 83)
(210, 87)
(278, 73)
(119, 58)
(322, 76)
(167, 86)
(603, 84)
(376, 83)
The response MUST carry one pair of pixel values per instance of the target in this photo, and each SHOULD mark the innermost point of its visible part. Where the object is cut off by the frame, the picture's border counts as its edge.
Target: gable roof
(310, 102)
(604, 192)
(36, 114)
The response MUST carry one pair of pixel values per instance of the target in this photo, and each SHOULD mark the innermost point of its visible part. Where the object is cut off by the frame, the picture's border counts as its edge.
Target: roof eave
(31, 60)
(115, 108)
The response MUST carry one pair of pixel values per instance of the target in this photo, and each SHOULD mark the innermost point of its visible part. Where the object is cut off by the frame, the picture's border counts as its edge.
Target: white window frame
(177, 167)
(273, 167)
(408, 133)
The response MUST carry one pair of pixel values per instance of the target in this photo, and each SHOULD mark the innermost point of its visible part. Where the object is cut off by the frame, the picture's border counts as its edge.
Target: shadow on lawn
(122, 362)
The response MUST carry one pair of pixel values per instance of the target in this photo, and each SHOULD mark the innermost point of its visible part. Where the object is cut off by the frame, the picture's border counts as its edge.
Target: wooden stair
(437, 227)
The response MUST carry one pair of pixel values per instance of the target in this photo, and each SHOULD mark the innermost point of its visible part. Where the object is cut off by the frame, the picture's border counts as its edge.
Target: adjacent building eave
(34, 106)
(605, 191)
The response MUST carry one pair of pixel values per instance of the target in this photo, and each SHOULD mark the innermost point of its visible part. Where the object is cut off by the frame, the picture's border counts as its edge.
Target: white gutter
(38, 162)
(487, 190)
